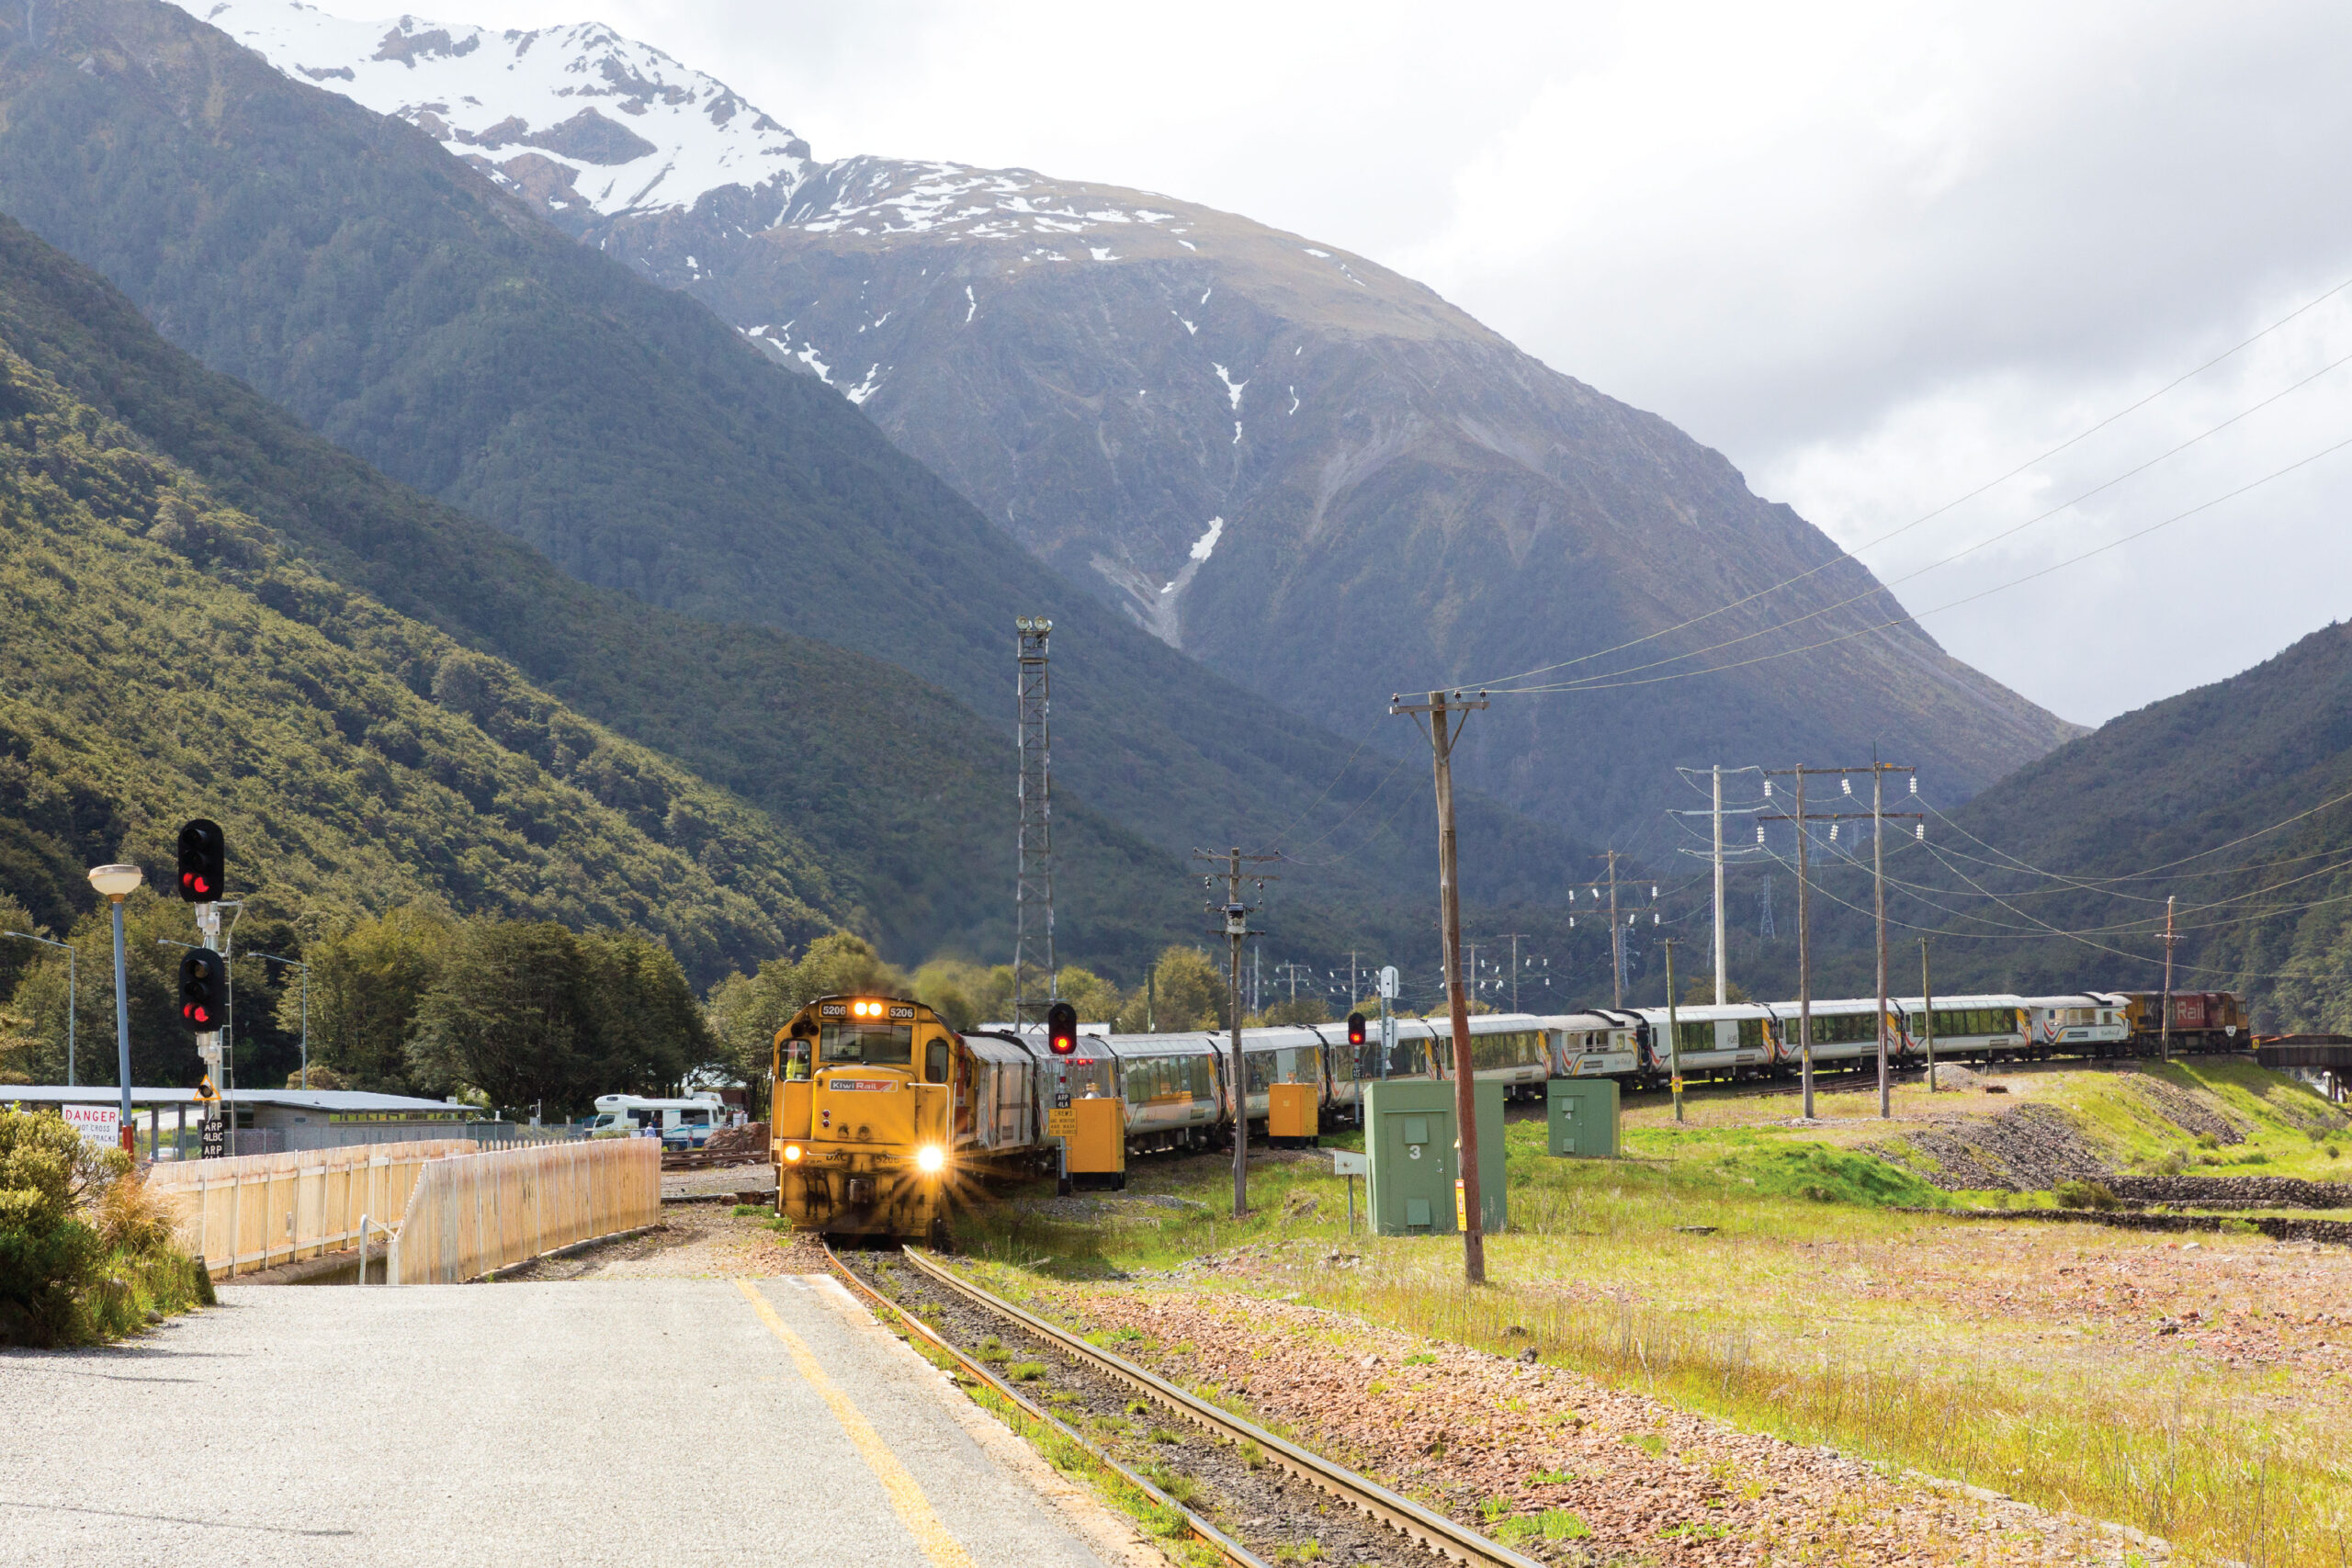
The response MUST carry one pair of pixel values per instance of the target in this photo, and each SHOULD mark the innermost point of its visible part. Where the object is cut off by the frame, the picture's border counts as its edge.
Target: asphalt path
(632, 1421)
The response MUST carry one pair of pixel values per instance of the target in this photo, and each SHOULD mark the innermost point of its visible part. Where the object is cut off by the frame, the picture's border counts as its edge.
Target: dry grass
(2185, 1456)
(2201, 1395)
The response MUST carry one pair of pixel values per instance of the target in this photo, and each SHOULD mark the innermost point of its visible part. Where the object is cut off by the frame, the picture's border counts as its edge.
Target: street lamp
(117, 883)
(70, 968)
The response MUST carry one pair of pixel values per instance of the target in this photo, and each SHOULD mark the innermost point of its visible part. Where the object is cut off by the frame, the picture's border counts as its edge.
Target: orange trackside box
(1291, 1113)
(1097, 1150)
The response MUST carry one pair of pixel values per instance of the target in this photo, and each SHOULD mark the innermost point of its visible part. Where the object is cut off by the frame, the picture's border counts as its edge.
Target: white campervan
(679, 1123)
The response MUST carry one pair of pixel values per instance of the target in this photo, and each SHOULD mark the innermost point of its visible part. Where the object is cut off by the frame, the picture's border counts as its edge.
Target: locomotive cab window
(867, 1045)
(934, 1058)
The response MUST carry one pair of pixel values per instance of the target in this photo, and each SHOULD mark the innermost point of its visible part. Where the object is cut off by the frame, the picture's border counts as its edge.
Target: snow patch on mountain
(1204, 546)
(573, 116)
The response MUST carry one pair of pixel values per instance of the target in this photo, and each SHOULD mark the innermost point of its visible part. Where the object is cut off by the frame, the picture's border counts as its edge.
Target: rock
(1527, 1355)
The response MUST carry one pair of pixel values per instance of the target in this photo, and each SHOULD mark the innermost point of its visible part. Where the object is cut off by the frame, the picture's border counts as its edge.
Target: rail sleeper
(1409, 1519)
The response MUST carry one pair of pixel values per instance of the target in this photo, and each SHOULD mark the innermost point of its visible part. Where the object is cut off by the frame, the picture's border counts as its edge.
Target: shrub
(2085, 1195)
(85, 1250)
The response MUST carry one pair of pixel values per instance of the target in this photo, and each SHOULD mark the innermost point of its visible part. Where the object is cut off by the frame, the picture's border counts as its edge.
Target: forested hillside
(2234, 799)
(905, 813)
(162, 657)
(399, 304)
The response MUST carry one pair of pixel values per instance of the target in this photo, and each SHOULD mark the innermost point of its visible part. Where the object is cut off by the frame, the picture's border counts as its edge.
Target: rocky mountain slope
(1309, 473)
(397, 303)
(903, 819)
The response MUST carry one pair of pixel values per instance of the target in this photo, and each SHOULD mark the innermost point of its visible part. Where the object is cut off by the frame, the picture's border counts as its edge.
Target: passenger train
(881, 1115)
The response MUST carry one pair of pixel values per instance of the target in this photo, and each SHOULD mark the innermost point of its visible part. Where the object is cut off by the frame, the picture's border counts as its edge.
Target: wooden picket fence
(252, 1211)
(479, 1212)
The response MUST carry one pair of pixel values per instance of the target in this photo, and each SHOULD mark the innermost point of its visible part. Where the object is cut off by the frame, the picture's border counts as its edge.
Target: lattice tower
(1033, 892)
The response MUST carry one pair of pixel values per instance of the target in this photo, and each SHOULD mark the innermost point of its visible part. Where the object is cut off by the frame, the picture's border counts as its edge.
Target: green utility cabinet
(1409, 1138)
(1583, 1116)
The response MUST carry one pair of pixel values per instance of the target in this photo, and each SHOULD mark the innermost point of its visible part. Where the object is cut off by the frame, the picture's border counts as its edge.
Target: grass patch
(1025, 1371)
(1789, 1315)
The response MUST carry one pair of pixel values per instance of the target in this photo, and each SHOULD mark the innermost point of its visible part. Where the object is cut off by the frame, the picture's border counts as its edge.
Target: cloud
(1875, 254)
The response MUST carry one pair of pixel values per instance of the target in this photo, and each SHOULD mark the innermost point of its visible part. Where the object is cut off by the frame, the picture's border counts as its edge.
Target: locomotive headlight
(931, 1159)
(792, 1154)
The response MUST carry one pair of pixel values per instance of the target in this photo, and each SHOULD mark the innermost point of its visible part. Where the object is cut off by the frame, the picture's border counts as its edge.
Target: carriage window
(935, 1062)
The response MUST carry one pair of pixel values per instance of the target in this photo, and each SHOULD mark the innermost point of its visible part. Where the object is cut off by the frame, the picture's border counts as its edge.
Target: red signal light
(1061, 1028)
(1356, 1029)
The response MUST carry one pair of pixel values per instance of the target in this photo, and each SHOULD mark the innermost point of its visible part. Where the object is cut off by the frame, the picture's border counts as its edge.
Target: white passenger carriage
(1991, 1027)
(1173, 1086)
(1731, 1042)
(2096, 1024)
(1844, 1033)
(1595, 1044)
(1509, 1048)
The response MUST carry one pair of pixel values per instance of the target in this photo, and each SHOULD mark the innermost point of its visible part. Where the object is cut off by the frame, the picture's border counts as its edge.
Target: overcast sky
(1877, 256)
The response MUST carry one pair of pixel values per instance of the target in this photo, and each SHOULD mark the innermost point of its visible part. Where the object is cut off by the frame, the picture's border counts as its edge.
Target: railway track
(1246, 1492)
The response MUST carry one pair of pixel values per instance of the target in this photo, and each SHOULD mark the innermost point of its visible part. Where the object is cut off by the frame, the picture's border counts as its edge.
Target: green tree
(1096, 999)
(746, 1011)
(528, 1014)
(367, 980)
(1190, 990)
(964, 994)
(1306, 1010)
(162, 1052)
(18, 956)
(647, 1028)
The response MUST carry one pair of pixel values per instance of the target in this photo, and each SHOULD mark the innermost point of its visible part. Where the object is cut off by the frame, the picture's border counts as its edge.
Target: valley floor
(1725, 1321)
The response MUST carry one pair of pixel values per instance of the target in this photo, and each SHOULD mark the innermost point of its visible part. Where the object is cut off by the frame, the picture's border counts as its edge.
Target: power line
(1890, 584)
(1607, 683)
(1990, 484)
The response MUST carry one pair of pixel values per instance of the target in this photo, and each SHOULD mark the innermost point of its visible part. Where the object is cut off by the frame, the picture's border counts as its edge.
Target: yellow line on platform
(914, 1510)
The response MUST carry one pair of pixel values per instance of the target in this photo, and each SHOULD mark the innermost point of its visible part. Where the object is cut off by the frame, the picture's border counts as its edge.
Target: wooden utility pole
(1445, 717)
(2164, 1030)
(1723, 974)
(1928, 1014)
(1237, 926)
(1878, 896)
(1673, 1033)
(1877, 815)
(1616, 939)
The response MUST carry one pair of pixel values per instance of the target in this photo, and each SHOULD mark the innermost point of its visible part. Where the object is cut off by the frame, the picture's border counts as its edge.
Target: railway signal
(204, 861)
(1061, 1028)
(200, 990)
(1356, 1029)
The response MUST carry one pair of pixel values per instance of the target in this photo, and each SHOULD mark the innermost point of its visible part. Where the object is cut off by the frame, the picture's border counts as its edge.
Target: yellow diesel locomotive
(881, 1113)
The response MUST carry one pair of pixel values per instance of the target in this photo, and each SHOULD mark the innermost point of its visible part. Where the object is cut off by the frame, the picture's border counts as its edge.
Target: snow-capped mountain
(1309, 472)
(577, 118)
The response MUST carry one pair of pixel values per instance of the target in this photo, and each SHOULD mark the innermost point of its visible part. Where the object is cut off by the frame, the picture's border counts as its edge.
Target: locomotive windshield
(867, 1045)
